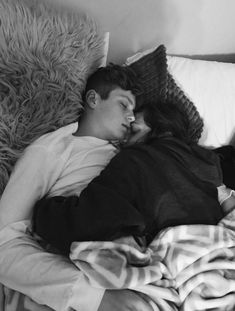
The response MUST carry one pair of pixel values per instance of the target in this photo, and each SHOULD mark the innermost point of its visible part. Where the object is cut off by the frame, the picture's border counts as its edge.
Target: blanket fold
(188, 267)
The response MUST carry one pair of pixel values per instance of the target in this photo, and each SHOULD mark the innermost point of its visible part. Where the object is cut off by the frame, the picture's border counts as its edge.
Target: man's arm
(34, 173)
(105, 210)
(123, 300)
(46, 278)
(53, 280)
(24, 266)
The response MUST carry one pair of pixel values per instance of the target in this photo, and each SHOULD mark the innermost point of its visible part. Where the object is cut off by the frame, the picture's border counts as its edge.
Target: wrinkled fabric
(188, 267)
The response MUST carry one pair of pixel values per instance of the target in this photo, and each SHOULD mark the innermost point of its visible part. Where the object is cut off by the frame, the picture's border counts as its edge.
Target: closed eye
(124, 105)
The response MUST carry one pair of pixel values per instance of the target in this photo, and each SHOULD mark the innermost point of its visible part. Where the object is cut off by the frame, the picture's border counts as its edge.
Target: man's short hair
(106, 79)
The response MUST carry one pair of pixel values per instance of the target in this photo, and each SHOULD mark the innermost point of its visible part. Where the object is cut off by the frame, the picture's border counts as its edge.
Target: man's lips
(127, 127)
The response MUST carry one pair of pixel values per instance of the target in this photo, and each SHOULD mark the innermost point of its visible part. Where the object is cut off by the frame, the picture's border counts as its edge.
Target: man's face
(116, 114)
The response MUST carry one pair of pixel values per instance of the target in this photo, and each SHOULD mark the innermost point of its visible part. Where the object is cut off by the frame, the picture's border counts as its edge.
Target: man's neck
(88, 128)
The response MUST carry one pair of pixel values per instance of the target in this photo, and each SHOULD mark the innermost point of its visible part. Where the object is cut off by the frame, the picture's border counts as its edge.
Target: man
(48, 278)
(165, 181)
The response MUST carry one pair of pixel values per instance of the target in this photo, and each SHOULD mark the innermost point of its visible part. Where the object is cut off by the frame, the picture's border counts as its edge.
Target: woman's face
(139, 129)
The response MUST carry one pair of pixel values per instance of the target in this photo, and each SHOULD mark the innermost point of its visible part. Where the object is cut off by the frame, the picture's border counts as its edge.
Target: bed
(204, 87)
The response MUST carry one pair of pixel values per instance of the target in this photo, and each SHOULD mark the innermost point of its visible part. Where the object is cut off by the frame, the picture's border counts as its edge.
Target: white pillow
(211, 87)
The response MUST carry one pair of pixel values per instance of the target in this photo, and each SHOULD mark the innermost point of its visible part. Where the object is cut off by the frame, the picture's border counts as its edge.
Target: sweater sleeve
(105, 209)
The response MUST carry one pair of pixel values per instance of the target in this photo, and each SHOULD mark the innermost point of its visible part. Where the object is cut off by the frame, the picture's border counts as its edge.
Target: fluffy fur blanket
(46, 55)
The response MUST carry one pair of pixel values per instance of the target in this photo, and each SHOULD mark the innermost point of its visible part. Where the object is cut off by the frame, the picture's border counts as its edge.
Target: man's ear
(92, 99)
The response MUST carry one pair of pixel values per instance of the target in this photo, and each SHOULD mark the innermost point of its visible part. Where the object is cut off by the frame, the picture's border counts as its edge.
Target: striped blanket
(186, 268)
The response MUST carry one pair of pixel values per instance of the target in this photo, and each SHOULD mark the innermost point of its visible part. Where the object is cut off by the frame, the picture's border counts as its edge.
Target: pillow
(46, 55)
(211, 86)
(152, 69)
(158, 84)
(103, 62)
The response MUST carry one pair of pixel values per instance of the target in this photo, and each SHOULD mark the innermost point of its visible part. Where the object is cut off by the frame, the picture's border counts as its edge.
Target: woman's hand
(226, 198)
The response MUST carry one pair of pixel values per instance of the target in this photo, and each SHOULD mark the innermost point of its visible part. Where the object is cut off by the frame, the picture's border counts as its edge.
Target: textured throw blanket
(189, 267)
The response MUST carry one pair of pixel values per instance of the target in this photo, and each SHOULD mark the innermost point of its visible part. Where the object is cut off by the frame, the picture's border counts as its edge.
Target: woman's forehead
(139, 115)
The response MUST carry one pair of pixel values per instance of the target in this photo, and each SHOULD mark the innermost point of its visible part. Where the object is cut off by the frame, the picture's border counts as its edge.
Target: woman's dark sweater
(144, 189)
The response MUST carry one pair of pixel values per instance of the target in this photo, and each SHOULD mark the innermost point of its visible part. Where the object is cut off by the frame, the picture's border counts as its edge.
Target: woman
(160, 179)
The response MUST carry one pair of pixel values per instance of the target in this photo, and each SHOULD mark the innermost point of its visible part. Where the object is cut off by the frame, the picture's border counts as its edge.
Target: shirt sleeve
(105, 209)
(34, 174)
(46, 278)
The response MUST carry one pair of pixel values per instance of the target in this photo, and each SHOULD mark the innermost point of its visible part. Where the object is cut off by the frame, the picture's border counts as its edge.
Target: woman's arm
(105, 210)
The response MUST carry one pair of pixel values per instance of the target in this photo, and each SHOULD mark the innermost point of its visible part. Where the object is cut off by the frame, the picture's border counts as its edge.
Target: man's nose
(131, 118)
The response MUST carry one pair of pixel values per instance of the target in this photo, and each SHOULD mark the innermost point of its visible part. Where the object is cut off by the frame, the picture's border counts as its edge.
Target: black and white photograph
(117, 155)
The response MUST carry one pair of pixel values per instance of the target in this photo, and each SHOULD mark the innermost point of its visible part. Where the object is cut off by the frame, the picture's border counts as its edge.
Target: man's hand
(123, 300)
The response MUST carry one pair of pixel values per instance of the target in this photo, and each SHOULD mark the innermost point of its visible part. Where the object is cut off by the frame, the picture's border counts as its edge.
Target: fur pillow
(46, 55)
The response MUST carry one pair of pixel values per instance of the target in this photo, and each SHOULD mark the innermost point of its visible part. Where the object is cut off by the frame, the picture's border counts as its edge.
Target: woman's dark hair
(166, 118)
(106, 79)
